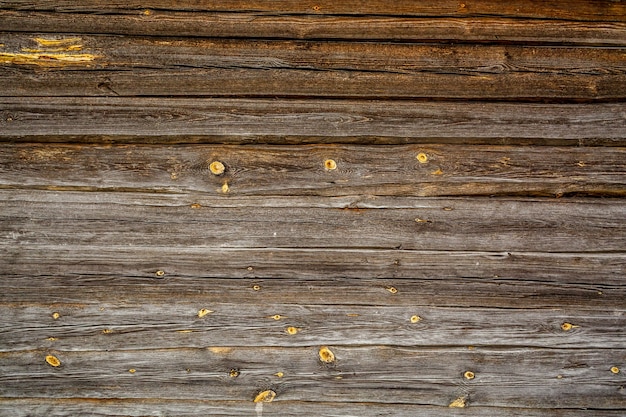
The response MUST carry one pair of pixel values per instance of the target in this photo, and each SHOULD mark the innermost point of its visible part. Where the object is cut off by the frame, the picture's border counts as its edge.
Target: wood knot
(292, 330)
(56, 315)
(422, 158)
(460, 402)
(265, 396)
(326, 355)
(217, 168)
(159, 273)
(615, 370)
(53, 361)
(234, 373)
(203, 312)
(330, 165)
(566, 327)
(415, 319)
(469, 375)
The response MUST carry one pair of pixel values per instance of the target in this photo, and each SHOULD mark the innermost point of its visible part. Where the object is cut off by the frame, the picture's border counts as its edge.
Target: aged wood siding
(333, 208)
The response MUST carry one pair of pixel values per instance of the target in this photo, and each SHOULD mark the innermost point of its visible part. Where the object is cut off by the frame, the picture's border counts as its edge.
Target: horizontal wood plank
(452, 170)
(522, 378)
(240, 121)
(127, 66)
(224, 221)
(144, 407)
(268, 25)
(600, 10)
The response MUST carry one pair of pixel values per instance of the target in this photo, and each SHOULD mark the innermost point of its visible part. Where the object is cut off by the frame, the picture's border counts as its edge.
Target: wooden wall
(313, 208)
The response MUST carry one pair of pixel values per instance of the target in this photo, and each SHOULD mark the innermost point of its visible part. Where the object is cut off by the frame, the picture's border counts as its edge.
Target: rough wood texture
(99, 65)
(241, 121)
(328, 208)
(300, 170)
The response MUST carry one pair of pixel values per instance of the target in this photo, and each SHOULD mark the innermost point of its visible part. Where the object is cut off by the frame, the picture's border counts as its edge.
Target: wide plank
(220, 220)
(578, 10)
(298, 121)
(267, 25)
(144, 66)
(517, 378)
(424, 170)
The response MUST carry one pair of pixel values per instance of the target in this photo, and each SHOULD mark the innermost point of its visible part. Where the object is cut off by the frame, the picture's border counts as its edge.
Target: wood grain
(299, 170)
(143, 66)
(519, 378)
(76, 218)
(298, 121)
(192, 407)
(578, 10)
(319, 26)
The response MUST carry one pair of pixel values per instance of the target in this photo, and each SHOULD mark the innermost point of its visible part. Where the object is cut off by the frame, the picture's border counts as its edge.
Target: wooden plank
(452, 170)
(522, 378)
(65, 289)
(580, 10)
(224, 221)
(52, 407)
(262, 25)
(166, 120)
(125, 66)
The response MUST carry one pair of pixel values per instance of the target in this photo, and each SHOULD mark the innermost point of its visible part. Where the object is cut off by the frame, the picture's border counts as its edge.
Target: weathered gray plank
(144, 407)
(145, 66)
(71, 274)
(224, 221)
(578, 10)
(242, 24)
(523, 378)
(250, 321)
(308, 121)
(300, 170)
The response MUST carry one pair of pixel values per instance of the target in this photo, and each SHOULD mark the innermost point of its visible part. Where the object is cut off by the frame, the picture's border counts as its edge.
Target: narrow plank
(317, 27)
(453, 170)
(128, 66)
(167, 120)
(518, 378)
(581, 10)
(145, 407)
(224, 221)
(254, 319)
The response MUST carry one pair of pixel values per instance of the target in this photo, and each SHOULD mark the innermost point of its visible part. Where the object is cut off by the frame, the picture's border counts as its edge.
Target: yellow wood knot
(460, 402)
(326, 355)
(234, 373)
(277, 317)
(225, 188)
(438, 171)
(53, 361)
(195, 206)
(256, 287)
(249, 268)
(292, 330)
(566, 327)
(415, 319)
(392, 290)
(203, 312)
(265, 396)
(55, 315)
(159, 273)
(317, 8)
(107, 331)
(147, 12)
(217, 168)
(469, 375)
(330, 165)
(581, 164)
(132, 371)
(51, 339)
(279, 374)
(615, 370)
(418, 220)
(422, 158)
(448, 209)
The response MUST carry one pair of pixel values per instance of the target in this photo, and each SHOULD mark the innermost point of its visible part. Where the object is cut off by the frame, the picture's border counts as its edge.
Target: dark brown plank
(452, 170)
(319, 26)
(600, 10)
(144, 407)
(225, 221)
(522, 378)
(167, 120)
(106, 65)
